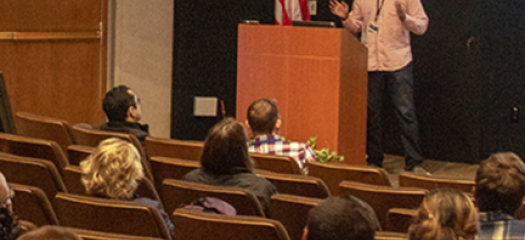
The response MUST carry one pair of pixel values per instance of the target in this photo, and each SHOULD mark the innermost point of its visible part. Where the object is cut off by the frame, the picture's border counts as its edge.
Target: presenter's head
(263, 117)
(122, 105)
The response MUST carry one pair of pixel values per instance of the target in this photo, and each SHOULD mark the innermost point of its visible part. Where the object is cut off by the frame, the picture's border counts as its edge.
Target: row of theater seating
(172, 159)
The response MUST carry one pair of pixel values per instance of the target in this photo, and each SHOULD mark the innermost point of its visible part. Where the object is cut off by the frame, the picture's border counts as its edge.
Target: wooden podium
(318, 77)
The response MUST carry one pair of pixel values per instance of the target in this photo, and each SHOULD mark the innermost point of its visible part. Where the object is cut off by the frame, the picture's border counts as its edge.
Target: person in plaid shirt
(265, 123)
(500, 187)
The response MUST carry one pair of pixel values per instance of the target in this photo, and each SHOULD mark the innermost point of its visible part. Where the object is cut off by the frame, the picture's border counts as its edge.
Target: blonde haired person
(445, 214)
(113, 171)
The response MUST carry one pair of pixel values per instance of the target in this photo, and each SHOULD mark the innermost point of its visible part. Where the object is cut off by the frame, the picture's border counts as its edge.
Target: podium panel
(318, 77)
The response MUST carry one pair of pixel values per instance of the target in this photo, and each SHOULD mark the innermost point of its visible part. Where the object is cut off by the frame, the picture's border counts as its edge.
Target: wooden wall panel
(50, 15)
(319, 82)
(67, 86)
(55, 63)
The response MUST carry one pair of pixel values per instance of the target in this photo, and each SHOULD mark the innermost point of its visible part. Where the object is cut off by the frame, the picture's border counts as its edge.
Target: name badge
(372, 28)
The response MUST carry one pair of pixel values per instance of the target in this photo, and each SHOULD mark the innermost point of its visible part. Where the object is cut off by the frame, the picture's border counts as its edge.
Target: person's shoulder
(148, 202)
(194, 176)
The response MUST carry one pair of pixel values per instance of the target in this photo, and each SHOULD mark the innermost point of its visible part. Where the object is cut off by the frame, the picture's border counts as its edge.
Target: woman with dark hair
(225, 162)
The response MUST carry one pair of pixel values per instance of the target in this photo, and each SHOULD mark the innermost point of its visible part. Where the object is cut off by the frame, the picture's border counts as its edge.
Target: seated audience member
(265, 124)
(50, 233)
(9, 227)
(225, 162)
(339, 218)
(500, 188)
(122, 107)
(445, 214)
(113, 171)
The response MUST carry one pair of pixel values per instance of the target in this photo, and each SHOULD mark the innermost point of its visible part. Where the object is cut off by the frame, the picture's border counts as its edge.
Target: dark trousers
(399, 85)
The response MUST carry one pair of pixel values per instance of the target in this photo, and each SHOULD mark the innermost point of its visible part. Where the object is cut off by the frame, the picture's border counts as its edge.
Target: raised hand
(339, 9)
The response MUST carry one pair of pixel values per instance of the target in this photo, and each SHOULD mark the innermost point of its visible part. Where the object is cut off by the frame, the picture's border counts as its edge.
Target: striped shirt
(275, 145)
(499, 226)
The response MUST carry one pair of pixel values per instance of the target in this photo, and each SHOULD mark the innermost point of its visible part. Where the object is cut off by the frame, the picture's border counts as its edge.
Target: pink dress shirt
(388, 47)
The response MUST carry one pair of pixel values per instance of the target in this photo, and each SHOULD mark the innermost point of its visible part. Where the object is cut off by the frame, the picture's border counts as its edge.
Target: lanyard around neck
(379, 7)
(267, 141)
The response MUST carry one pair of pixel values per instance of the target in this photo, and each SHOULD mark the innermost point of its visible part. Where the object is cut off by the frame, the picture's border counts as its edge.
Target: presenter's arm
(415, 18)
(352, 21)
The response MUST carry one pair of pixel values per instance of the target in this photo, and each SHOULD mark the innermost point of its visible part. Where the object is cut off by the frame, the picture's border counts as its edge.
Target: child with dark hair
(340, 218)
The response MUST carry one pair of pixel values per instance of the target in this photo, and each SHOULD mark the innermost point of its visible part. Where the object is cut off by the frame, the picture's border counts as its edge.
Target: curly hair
(112, 170)
(444, 214)
(500, 183)
(9, 227)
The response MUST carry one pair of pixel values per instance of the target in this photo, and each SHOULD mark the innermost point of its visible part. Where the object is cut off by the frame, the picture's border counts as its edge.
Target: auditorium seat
(333, 174)
(274, 163)
(27, 226)
(171, 168)
(95, 235)
(107, 215)
(32, 172)
(83, 135)
(434, 182)
(399, 219)
(390, 236)
(77, 153)
(35, 126)
(383, 198)
(72, 175)
(299, 185)
(175, 193)
(171, 148)
(33, 148)
(191, 225)
(292, 211)
(31, 204)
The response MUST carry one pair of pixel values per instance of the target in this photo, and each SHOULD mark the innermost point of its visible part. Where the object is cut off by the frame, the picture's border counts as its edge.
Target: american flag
(287, 11)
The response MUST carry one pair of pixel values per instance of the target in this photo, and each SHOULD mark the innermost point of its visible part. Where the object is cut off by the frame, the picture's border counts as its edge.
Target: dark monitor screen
(7, 124)
(323, 12)
(314, 24)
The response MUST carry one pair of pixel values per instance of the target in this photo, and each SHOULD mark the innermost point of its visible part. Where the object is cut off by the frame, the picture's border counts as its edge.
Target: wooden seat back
(334, 174)
(191, 225)
(171, 148)
(274, 163)
(171, 168)
(434, 182)
(31, 204)
(292, 211)
(299, 185)
(176, 193)
(32, 172)
(106, 215)
(383, 198)
(35, 126)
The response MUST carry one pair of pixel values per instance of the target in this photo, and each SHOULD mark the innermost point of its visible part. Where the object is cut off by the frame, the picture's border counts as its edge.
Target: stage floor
(395, 165)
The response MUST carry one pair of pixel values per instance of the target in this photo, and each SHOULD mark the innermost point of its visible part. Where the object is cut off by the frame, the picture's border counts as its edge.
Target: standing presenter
(385, 27)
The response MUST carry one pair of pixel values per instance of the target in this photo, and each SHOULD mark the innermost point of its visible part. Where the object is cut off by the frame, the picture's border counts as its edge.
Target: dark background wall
(467, 70)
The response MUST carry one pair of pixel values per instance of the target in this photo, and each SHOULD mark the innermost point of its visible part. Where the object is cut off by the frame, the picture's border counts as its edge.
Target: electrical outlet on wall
(515, 114)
